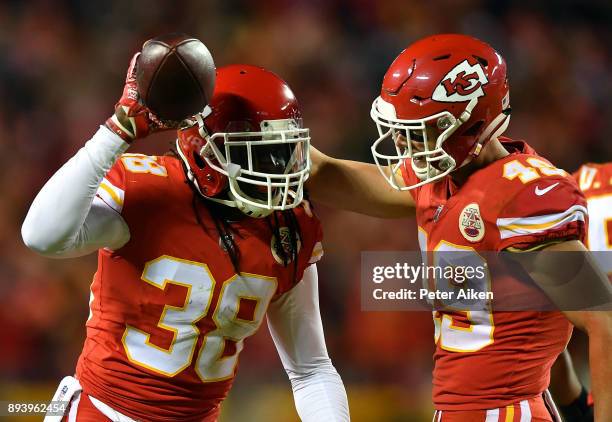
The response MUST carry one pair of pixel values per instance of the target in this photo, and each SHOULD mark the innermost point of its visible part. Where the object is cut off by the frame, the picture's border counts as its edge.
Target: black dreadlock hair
(223, 225)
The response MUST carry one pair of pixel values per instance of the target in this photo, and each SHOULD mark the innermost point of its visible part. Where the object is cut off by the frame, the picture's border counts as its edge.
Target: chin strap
(251, 210)
(495, 129)
(248, 209)
(226, 202)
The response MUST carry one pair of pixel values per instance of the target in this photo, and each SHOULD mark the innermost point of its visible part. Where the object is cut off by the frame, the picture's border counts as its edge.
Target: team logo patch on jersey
(462, 83)
(285, 243)
(471, 225)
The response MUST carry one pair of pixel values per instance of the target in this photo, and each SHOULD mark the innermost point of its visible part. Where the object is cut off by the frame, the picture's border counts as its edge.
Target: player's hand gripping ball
(171, 79)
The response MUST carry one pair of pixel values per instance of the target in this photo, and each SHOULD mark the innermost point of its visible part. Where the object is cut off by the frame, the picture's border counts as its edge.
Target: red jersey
(488, 359)
(169, 314)
(595, 181)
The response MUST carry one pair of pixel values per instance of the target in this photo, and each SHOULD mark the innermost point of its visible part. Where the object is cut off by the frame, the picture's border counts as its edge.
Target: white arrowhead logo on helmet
(462, 83)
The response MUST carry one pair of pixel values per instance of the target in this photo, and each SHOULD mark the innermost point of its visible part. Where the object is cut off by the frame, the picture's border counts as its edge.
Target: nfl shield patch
(471, 225)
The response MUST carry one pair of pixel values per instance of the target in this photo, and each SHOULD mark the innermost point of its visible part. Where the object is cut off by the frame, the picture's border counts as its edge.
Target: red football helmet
(447, 88)
(248, 148)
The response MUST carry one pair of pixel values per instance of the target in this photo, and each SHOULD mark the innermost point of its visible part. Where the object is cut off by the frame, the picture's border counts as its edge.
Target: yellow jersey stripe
(112, 194)
(511, 227)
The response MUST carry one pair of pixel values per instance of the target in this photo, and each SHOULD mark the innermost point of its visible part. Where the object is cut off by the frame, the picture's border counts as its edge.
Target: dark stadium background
(62, 65)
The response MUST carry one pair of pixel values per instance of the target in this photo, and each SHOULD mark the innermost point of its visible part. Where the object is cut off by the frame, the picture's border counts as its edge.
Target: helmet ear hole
(199, 160)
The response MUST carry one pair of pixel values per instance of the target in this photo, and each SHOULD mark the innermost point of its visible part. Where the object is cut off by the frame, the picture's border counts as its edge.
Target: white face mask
(431, 162)
(266, 169)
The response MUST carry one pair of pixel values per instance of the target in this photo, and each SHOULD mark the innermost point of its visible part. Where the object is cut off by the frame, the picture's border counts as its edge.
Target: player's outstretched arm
(355, 186)
(295, 324)
(64, 220)
(579, 278)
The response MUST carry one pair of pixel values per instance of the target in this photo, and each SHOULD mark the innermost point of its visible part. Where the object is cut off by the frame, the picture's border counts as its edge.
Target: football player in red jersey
(193, 251)
(443, 106)
(595, 181)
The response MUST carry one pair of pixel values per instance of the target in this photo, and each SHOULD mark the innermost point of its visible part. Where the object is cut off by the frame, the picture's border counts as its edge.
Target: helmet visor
(266, 168)
(419, 140)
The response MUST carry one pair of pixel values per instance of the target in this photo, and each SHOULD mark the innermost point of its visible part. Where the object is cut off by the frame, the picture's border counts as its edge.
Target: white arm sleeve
(64, 220)
(295, 324)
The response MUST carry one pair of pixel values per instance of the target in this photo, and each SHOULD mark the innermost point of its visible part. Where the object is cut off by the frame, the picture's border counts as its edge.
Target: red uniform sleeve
(311, 250)
(112, 189)
(543, 211)
(317, 249)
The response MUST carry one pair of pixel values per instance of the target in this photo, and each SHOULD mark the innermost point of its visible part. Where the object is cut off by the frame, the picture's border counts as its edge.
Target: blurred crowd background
(62, 64)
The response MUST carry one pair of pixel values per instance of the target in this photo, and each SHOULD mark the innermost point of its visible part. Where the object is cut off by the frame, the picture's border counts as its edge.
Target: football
(175, 75)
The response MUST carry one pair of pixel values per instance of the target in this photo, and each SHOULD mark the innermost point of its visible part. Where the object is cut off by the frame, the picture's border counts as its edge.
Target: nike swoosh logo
(541, 192)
